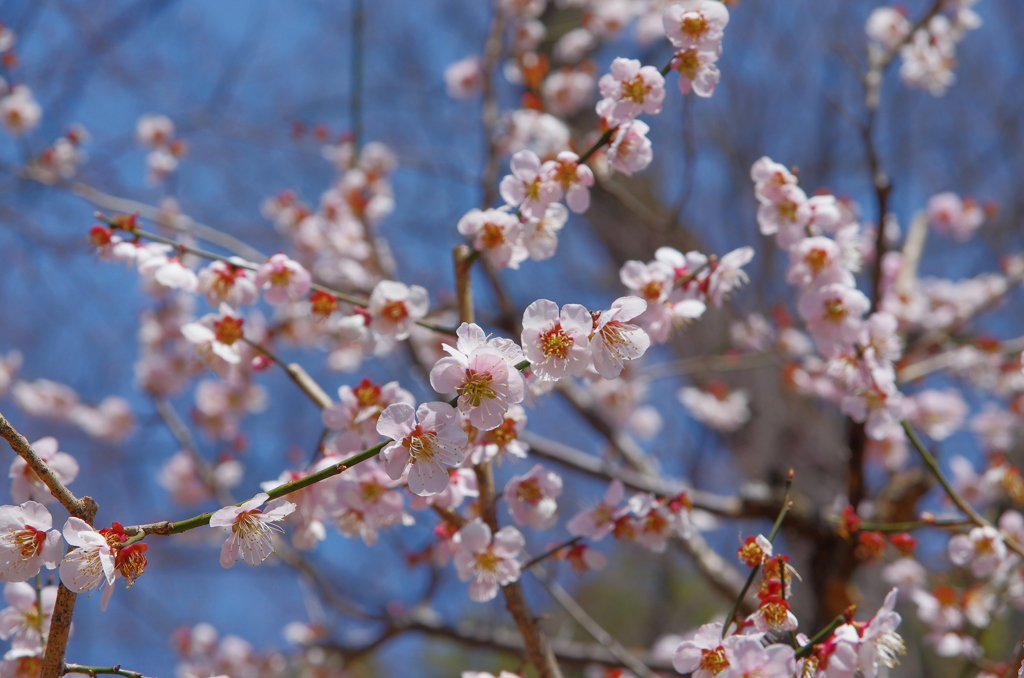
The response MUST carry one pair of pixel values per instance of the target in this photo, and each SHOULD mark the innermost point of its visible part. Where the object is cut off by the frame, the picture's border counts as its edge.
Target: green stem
(139, 532)
(786, 505)
(820, 636)
(104, 670)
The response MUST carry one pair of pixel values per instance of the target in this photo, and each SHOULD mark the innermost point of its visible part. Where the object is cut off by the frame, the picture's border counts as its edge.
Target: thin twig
(101, 670)
(300, 376)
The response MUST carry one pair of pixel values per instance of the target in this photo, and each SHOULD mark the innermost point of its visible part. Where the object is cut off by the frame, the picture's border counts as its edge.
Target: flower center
(502, 435)
(651, 290)
(634, 90)
(477, 388)
(228, 330)
(556, 342)
(835, 311)
(714, 660)
(281, 276)
(687, 62)
(816, 259)
(394, 311)
(487, 561)
(565, 173)
(422, 444)
(131, 562)
(28, 542)
(529, 492)
(693, 24)
(492, 235)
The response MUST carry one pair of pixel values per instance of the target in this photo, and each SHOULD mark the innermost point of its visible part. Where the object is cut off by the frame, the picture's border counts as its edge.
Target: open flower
(91, 563)
(529, 186)
(531, 497)
(394, 307)
(25, 484)
(25, 616)
(615, 340)
(488, 563)
(218, 333)
(251, 537)
(283, 279)
(556, 343)
(481, 372)
(424, 448)
(27, 542)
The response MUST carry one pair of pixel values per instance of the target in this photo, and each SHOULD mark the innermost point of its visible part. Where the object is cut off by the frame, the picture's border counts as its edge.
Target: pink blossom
(424, 440)
(283, 279)
(252, 528)
(500, 442)
(556, 342)
(25, 484)
(167, 271)
(488, 563)
(27, 542)
(574, 177)
(394, 307)
(229, 283)
(706, 655)
(696, 23)
(751, 659)
(983, 548)
(727, 274)
(482, 376)
(356, 412)
(786, 215)
(28, 613)
(567, 91)
(462, 484)
(364, 502)
(887, 26)
(877, 402)
(769, 179)
(91, 563)
(528, 187)
(817, 261)
(19, 111)
(630, 149)
(615, 340)
(154, 130)
(531, 498)
(497, 234)
(598, 522)
(879, 643)
(950, 215)
(697, 71)
(181, 478)
(631, 89)
(717, 406)
(464, 78)
(218, 333)
(540, 236)
(939, 414)
(833, 314)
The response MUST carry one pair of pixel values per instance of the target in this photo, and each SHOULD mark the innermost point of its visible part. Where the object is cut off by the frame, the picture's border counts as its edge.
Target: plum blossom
(424, 440)
(817, 261)
(888, 26)
(833, 314)
(485, 379)
(751, 659)
(159, 265)
(697, 71)
(464, 78)
(27, 614)
(875, 400)
(630, 149)
(575, 179)
(497, 234)
(556, 342)
(218, 333)
(983, 548)
(696, 23)
(727, 274)
(356, 412)
(540, 236)
(364, 502)
(500, 442)
(489, 563)
(531, 498)
(228, 282)
(939, 414)
(717, 406)
(615, 340)
(283, 279)
(879, 644)
(629, 90)
(394, 307)
(252, 528)
(154, 130)
(19, 111)
(27, 542)
(529, 187)
(25, 484)
(707, 654)
(91, 563)
(950, 215)
(598, 522)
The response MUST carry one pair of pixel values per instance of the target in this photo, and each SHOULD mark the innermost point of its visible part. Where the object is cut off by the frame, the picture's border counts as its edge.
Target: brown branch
(300, 376)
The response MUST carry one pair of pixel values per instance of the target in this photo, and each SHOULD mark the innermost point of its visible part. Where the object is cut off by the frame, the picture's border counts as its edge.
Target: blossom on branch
(252, 528)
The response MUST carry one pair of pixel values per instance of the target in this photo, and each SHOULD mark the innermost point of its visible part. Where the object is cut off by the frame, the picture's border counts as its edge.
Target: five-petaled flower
(252, 529)
(424, 441)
